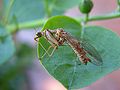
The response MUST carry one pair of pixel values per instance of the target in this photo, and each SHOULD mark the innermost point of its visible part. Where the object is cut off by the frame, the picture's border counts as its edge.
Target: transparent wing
(92, 52)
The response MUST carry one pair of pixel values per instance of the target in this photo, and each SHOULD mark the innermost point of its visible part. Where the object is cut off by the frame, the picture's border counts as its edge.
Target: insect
(82, 49)
(49, 36)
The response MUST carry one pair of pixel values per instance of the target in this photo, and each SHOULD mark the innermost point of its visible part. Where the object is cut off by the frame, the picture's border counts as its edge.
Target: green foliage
(7, 48)
(11, 72)
(118, 2)
(16, 11)
(63, 65)
(65, 4)
(26, 10)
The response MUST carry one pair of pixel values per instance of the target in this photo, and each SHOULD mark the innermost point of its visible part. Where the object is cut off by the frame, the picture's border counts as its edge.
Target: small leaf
(7, 48)
(64, 65)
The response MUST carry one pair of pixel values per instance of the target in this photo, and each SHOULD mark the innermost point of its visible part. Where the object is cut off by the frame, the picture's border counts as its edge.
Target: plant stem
(118, 4)
(104, 17)
(26, 25)
(84, 23)
(47, 8)
(86, 18)
(7, 12)
(118, 9)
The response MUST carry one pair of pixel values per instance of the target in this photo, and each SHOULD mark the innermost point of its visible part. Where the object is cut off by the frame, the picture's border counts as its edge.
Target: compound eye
(39, 34)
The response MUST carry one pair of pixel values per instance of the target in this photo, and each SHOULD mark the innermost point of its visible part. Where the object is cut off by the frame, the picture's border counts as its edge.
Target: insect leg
(55, 47)
(46, 52)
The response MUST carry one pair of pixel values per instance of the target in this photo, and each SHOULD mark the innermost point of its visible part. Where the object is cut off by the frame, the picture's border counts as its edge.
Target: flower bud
(85, 6)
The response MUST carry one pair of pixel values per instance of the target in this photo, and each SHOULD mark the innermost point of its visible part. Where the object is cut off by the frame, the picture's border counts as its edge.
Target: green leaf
(68, 24)
(12, 75)
(26, 10)
(64, 22)
(65, 4)
(58, 7)
(7, 48)
(64, 66)
(108, 46)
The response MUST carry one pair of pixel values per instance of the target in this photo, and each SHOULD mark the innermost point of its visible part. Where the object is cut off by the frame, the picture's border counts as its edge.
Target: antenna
(35, 29)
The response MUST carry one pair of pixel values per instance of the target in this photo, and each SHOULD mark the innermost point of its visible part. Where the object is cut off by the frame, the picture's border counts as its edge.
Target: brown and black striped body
(77, 48)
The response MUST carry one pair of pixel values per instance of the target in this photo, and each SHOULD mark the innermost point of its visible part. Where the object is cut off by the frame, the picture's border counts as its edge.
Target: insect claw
(35, 38)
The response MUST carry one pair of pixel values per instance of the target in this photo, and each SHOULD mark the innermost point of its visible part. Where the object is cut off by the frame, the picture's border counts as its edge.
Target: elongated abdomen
(77, 48)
